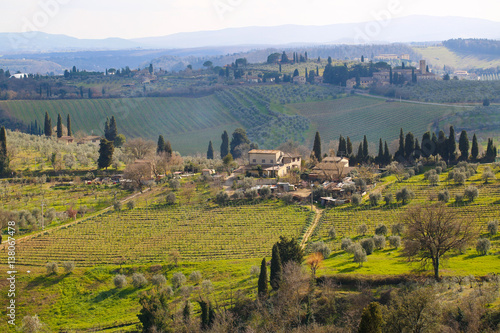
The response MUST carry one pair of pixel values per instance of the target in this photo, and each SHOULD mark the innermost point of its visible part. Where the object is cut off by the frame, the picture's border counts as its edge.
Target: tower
(423, 67)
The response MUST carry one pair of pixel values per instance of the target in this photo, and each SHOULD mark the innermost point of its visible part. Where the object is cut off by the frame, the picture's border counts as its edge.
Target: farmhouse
(66, 139)
(93, 139)
(271, 163)
(331, 169)
(299, 79)
(364, 82)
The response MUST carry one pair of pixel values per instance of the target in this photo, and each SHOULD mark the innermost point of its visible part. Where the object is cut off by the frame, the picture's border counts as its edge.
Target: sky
(145, 18)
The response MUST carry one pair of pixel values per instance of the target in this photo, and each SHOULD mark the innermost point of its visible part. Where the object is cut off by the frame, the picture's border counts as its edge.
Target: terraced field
(149, 235)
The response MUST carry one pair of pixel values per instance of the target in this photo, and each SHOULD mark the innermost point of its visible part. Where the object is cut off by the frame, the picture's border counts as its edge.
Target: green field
(189, 123)
(356, 116)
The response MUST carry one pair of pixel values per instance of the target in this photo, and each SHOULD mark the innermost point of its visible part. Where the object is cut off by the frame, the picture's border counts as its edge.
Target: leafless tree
(433, 231)
(140, 148)
(138, 173)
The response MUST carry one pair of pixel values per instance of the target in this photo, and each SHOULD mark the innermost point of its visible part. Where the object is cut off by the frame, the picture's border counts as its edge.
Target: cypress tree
(401, 150)
(113, 131)
(4, 158)
(443, 145)
(160, 146)
(409, 145)
(452, 145)
(463, 146)
(435, 144)
(205, 322)
(262, 283)
(224, 147)
(390, 75)
(360, 155)
(372, 320)
(475, 148)
(168, 148)
(59, 126)
(427, 145)
(418, 151)
(186, 312)
(35, 130)
(68, 125)
(106, 129)
(387, 154)
(342, 151)
(47, 128)
(380, 156)
(276, 270)
(106, 149)
(317, 147)
(210, 151)
(239, 137)
(491, 151)
(349, 146)
(365, 149)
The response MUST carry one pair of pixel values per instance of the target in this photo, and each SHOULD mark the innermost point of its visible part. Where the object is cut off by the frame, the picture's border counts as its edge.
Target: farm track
(318, 212)
(82, 219)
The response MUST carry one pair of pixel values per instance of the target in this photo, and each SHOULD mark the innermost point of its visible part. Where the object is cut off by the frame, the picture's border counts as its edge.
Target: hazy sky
(142, 18)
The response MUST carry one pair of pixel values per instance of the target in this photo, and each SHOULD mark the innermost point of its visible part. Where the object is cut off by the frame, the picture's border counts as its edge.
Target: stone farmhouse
(271, 163)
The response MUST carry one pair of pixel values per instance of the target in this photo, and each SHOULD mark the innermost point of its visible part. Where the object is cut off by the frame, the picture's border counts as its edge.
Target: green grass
(356, 116)
(189, 123)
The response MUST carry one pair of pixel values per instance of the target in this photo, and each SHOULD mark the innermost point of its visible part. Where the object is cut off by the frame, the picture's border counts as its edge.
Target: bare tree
(433, 231)
(140, 148)
(138, 173)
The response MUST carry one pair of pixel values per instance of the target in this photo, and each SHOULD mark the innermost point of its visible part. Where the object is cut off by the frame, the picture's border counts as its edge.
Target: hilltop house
(271, 163)
(331, 169)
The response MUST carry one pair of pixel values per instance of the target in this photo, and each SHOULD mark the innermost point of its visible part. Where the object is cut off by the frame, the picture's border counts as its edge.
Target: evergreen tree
(362, 58)
(224, 147)
(317, 147)
(186, 312)
(409, 145)
(205, 321)
(443, 145)
(418, 151)
(360, 155)
(210, 151)
(491, 151)
(47, 128)
(342, 151)
(401, 150)
(452, 145)
(106, 128)
(475, 148)
(427, 146)
(160, 147)
(59, 126)
(435, 144)
(239, 138)
(365, 149)
(106, 149)
(168, 148)
(295, 73)
(276, 269)
(463, 146)
(387, 154)
(68, 125)
(4, 158)
(262, 283)
(380, 156)
(112, 132)
(390, 75)
(372, 320)
(349, 146)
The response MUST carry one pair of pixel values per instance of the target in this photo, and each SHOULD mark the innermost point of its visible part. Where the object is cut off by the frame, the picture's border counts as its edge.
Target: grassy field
(355, 116)
(189, 123)
(440, 56)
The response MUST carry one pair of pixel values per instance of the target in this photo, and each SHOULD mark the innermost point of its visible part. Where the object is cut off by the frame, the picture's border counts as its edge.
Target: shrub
(429, 173)
(397, 229)
(251, 194)
(404, 195)
(439, 170)
(265, 192)
(362, 229)
(120, 281)
(395, 241)
(254, 271)
(459, 198)
(287, 198)
(238, 195)
(483, 246)
(388, 198)
(375, 198)
(68, 266)
(356, 199)
(51, 267)
(322, 248)
(459, 178)
(332, 233)
(138, 280)
(444, 196)
(379, 241)
(117, 205)
(354, 247)
(195, 277)
(170, 198)
(222, 198)
(359, 256)
(178, 279)
(487, 175)
(207, 286)
(131, 204)
(158, 280)
(471, 192)
(168, 291)
(31, 324)
(381, 229)
(368, 245)
(345, 244)
(174, 184)
(442, 164)
(493, 227)
(434, 179)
